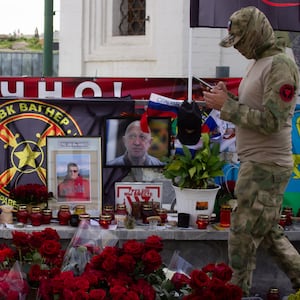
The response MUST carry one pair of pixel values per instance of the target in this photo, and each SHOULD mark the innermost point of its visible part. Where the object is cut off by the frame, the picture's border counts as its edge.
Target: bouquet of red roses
(131, 272)
(211, 282)
(41, 251)
(31, 193)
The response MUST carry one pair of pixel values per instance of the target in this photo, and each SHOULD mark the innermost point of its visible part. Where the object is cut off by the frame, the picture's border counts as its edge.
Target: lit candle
(105, 221)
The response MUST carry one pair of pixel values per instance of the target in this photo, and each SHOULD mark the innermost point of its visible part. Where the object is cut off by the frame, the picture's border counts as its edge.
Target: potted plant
(195, 173)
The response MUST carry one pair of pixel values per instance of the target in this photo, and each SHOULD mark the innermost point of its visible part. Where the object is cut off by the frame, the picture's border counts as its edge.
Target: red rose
(62, 281)
(6, 253)
(234, 292)
(219, 289)
(223, 272)
(110, 263)
(127, 263)
(20, 239)
(199, 279)
(134, 248)
(97, 294)
(120, 278)
(154, 242)
(36, 240)
(81, 283)
(179, 280)
(152, 261)
(50, 248)
(143, 288)
(210, 268)
(130, 295)
(50, 234)
(80, 295)
(117, 291)
(97, 260)
(35, 273)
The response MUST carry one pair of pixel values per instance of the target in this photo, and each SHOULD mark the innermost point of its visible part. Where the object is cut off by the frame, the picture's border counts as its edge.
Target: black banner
(282, 14)
(25, 124)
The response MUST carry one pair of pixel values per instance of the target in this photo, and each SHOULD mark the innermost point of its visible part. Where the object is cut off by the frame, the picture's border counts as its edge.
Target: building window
(130, 19)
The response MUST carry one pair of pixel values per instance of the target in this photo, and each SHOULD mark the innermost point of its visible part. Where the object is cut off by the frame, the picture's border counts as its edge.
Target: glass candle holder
(121, 209)
(225, 215)
(36, 216)
(282, 220)
(163, 214)
(84, 217)
(64, 215)
(109, 210)
(46, 216)
(273, 294)
(22, 214)
(202, 221)
(288, 211)
(147, 211)
(79, 209)
(105, 221)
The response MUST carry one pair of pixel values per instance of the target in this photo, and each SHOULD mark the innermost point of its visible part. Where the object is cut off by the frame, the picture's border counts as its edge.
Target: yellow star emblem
(27, 157)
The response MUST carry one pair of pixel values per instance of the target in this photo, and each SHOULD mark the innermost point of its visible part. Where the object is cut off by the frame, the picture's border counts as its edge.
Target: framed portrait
(126, 144)
(74, 173)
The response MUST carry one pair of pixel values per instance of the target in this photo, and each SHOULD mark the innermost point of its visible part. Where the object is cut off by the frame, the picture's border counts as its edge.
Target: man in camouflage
(262, 115)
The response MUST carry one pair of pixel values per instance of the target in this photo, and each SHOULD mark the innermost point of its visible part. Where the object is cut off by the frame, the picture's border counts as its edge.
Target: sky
(23, 16)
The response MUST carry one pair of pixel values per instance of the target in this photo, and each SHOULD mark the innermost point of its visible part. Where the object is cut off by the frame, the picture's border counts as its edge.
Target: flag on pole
(282, 14)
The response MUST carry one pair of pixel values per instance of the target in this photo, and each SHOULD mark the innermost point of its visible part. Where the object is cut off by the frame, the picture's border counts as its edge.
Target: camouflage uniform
(262, 115)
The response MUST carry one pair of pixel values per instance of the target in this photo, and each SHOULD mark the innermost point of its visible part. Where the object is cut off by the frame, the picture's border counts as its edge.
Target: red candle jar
(202, 221)
(162, 213)
(288, 211)
(273, 294)
(121, 209)
(225, 215)
(282, 220)
(109, 210)
(36, 216)
(46, 216)
(22, 214)
(105, 221)
(64, 215)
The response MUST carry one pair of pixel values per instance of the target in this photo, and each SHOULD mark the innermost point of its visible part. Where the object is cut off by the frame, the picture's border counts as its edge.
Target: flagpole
(190, 76)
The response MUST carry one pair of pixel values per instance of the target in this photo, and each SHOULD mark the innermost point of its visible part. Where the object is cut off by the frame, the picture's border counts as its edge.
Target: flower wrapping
(87, 241)
(12, 284)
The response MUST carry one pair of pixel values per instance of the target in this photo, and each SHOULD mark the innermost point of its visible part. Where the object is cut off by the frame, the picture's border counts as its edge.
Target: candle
(162, 213)
(36, 216)
(64, 215)
(105, 221)
(46, 216)
(22, 214)
(202, 221)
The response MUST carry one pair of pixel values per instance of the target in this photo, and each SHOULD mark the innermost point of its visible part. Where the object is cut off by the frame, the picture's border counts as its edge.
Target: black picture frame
(114, 147)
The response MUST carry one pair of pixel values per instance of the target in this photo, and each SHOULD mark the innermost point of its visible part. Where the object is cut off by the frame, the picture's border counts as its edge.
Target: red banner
(77, 87)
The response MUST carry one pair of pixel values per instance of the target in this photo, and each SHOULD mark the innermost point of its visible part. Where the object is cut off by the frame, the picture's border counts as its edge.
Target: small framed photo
(74, 173)
(128, 144)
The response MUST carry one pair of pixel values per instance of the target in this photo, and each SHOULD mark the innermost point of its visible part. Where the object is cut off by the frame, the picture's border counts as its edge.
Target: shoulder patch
(287, 92)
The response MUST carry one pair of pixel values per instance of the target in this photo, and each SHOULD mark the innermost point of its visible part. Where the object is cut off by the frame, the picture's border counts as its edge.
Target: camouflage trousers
(259, 191)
